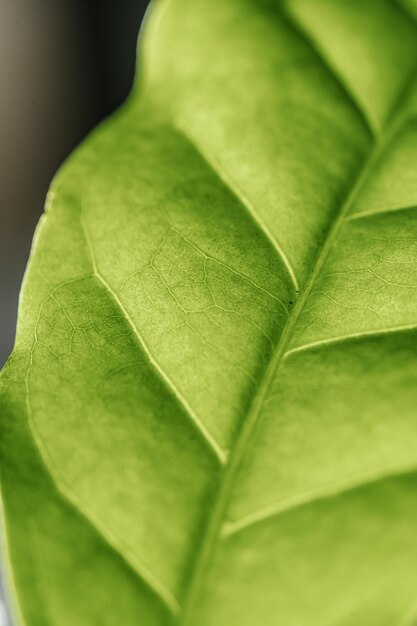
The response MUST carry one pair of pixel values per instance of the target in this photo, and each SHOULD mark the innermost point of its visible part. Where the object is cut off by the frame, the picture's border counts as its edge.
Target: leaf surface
(209, 415)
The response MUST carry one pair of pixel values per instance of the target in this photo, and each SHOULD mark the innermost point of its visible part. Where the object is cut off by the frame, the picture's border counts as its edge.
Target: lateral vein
(314, 45)
(212, 442)
(381, 211)
(240, 196)
(371, 333)
(82, 508)
(310, 497)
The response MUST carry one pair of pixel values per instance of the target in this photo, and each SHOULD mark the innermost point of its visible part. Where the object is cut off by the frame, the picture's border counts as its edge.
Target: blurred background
(64, 66)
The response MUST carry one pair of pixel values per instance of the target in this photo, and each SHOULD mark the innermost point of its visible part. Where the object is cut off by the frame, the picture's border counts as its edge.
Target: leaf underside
(209, 417)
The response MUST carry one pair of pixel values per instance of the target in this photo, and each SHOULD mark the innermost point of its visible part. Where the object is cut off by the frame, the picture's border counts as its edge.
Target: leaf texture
(209, 417)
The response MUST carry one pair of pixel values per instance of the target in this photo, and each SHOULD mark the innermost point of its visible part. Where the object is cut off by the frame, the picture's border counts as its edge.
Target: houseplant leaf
(209, 415)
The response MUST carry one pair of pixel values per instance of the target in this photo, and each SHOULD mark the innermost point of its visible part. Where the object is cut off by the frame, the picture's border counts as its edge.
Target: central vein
(214, 528)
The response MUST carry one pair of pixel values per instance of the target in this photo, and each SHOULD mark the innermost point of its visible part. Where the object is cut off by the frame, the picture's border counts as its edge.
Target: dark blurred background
(64, 66)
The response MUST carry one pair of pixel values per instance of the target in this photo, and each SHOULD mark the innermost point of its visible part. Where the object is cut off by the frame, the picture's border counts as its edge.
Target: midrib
(213, 533)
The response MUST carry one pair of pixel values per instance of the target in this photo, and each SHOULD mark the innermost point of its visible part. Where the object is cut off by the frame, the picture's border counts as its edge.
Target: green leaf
(209, 417)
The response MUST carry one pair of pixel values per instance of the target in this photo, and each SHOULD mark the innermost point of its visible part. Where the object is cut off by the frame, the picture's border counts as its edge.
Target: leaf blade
(184, 256)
